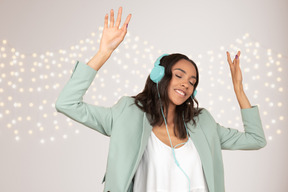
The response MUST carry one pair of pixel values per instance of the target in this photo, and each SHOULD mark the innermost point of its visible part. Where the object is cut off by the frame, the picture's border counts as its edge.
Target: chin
(177, 103)
(180, 103)
(176, 100)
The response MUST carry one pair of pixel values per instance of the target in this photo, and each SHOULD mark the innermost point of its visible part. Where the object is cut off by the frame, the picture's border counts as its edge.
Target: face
(181, 85)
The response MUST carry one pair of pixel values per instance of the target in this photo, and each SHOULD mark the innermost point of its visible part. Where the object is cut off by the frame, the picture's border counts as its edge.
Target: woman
(159, 139)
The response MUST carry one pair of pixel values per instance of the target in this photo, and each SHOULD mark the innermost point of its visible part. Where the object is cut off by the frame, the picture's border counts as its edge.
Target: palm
(112, 35)
(111, 38)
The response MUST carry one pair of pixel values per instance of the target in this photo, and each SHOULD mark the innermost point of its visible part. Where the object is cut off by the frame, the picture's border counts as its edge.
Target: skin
(113, 35)
(183, 80)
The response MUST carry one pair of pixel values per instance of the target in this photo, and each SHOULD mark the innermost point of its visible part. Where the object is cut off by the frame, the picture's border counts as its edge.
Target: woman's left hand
(235, 70)
(237, 80)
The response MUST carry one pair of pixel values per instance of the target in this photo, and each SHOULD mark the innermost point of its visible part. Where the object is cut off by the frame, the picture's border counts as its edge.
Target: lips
(180, 92)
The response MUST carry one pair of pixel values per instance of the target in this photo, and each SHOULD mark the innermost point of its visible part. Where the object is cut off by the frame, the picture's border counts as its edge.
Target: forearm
(253, 136)
(99, 59)
(76, 87)
(241, 97)
(70, 101)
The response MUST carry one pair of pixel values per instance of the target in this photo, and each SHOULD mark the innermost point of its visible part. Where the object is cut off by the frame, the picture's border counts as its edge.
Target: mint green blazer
(129, 129)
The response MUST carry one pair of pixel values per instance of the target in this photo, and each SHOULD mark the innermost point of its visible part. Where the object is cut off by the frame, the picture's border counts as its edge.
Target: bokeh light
(30, 84)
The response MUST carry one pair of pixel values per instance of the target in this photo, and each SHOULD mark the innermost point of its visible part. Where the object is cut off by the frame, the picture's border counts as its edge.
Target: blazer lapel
(202, 146)
(199, 140)
(145, 133)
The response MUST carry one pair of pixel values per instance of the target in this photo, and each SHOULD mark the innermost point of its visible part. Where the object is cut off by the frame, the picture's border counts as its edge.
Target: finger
(229, 58)
(118, 20)
(106, 21)
(111, 18)
(125, 25)
(237, 58)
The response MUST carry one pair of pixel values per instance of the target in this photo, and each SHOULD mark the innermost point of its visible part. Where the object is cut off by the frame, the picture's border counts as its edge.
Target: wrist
(238, 88)
(241, 97)
(98, 60)
(103, 54)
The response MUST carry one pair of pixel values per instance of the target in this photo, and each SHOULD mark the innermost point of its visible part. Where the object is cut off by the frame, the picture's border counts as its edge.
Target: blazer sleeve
(253, 136)
(70, 102)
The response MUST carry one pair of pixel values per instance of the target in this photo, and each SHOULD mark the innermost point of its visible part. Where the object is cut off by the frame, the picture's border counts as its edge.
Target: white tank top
(158, 172)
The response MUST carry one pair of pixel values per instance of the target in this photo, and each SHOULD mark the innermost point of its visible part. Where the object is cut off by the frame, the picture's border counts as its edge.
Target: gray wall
(40, 41)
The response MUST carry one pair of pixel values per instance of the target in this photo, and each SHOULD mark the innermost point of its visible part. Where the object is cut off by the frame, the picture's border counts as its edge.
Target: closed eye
(178, 76)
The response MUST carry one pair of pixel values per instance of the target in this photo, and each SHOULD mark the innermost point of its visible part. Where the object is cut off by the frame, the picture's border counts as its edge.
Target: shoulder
(126, 107)
(126, 100)
(204, 114)
(124, 103)
(205, 118)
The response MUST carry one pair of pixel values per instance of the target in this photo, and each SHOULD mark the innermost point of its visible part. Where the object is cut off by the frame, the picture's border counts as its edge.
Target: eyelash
(181, 77)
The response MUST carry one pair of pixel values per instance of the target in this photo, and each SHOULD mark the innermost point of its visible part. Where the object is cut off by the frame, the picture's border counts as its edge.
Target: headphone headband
(157, 62)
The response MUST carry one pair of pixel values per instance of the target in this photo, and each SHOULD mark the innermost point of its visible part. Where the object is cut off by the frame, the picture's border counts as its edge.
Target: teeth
(180, 92)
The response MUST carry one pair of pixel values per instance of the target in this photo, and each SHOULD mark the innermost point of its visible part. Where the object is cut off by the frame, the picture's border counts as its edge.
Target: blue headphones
(158, 73)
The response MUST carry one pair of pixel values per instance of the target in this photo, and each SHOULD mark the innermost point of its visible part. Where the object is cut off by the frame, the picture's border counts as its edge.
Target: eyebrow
(184, 72)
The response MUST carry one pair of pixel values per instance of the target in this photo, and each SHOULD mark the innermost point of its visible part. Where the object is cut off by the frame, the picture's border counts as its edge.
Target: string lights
(30, 83)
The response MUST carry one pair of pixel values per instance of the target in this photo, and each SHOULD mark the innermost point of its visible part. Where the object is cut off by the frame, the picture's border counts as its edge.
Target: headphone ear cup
(194, 94)
(157, 73)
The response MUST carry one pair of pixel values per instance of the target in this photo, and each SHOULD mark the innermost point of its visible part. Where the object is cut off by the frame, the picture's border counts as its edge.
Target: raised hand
(112, 35)
(236, 73)
(237, 81)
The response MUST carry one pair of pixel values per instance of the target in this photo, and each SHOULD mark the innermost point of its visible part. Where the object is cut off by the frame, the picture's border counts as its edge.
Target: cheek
(170, 92)
(174, 81)
(169, 89)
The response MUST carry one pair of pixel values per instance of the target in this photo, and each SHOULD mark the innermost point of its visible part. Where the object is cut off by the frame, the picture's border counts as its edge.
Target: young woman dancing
(159, 139)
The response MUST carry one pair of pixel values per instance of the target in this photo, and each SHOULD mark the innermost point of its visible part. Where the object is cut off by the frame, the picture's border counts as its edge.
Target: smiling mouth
(180, 92)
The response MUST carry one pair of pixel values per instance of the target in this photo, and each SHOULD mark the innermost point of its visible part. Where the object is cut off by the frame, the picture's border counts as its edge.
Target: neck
(171, 115)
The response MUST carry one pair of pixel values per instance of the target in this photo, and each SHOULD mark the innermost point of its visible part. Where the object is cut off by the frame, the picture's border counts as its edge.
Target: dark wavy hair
(148, 100)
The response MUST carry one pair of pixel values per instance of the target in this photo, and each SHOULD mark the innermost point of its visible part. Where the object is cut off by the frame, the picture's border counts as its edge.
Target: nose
(185, 83)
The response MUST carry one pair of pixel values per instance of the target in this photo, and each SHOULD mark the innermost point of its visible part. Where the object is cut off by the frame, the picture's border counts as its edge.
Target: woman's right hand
(112, 35)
